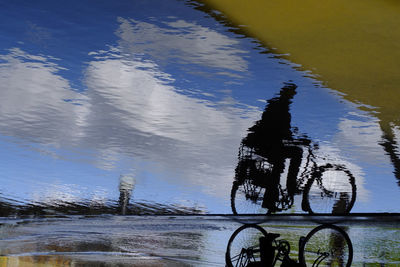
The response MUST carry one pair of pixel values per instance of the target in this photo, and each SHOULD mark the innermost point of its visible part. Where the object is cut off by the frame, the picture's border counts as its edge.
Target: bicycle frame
(255, 172)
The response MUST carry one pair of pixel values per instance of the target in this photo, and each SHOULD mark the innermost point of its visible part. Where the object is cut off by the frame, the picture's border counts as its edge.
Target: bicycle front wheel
(244, 246)
(331, 189)
(326, 245)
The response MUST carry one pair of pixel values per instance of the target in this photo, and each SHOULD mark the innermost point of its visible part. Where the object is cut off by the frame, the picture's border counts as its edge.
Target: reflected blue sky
(91, 90)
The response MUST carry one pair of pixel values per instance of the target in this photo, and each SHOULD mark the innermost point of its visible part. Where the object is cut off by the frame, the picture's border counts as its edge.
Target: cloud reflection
(184, 135)
(130, 108)
(182, 41)
(36, 102)
(191, 140)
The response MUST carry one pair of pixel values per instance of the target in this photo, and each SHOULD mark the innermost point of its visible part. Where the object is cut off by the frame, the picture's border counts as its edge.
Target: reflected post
(126, 185)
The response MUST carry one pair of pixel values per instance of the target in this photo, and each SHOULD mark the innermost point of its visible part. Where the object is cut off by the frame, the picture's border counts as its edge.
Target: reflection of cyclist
(272, 138)
(326, 245)
(271, 144)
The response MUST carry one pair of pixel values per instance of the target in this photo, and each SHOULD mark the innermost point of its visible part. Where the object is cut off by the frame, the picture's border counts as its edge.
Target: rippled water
(142, 107)
(170, 240)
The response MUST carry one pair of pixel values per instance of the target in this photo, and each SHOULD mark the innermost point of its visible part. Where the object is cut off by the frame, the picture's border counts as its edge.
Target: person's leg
(296, 155)
(271, 196)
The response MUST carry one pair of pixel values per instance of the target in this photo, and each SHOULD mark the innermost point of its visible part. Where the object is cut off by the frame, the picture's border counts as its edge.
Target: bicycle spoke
(243, 246)
(320, 259)
(327, 245)
(247, 199)
(331, 190)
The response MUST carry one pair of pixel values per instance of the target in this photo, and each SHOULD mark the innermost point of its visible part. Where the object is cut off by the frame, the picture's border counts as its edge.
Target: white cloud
(129, 110)
(192, 139)
(33, 99)
(183, 41)
(362, 137)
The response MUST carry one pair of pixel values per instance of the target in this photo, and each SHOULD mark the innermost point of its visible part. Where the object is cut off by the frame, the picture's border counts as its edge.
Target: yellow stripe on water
(353, 46)
(3, 261)
(37, 261)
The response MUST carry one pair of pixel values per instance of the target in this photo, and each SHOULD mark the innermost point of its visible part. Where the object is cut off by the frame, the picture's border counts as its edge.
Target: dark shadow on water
(276, 163)
(325, 245)
(8, 209)
(390, 145)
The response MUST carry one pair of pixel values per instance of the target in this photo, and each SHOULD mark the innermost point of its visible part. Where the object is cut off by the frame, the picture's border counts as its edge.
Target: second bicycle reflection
(277, 163)
(326, 245)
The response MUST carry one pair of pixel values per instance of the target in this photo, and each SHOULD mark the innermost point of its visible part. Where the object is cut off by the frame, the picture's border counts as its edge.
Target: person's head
(288, 91)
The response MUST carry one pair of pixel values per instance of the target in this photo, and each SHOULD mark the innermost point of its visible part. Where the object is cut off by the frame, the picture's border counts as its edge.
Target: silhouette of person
(272, 139)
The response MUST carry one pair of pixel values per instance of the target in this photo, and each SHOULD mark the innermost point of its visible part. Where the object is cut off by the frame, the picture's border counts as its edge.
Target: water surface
(167, 240)
(145, 104)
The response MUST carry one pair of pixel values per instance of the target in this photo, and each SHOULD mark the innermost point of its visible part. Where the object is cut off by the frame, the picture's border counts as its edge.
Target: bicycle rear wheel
(244, 246)
(247, 198)
(331, 189)
(326, 245)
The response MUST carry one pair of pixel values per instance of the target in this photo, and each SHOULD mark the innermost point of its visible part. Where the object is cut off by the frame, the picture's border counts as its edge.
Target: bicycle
(325, 245)
(263, 156)
(328, 188)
